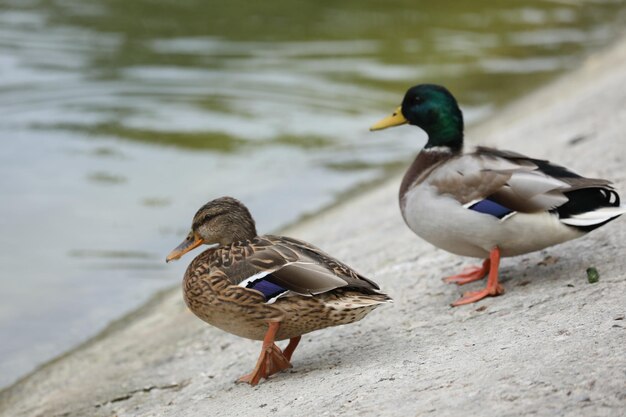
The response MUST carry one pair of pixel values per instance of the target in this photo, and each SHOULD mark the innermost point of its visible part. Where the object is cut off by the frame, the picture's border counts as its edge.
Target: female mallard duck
(267, 287)
(489, 203)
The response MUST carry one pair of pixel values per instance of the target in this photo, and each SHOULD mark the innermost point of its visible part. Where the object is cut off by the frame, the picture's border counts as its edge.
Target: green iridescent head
(432, 108)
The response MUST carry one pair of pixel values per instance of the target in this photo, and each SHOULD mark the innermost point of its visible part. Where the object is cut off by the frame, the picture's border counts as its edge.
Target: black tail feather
(586, 200)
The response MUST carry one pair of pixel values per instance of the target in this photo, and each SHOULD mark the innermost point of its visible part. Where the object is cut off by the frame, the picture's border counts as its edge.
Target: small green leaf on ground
(592, 275)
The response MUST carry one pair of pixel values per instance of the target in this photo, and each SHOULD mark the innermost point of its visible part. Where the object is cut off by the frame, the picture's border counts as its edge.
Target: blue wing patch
(269, 290)
(492, 208)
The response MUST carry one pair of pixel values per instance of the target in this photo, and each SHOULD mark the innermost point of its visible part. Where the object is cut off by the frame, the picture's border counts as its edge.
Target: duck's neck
(425, 162)
(446, 132)
(444, 128)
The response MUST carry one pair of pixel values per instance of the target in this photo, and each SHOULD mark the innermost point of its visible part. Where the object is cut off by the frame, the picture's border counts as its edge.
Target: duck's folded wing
(290, 266)
(330, 265)
(500, 182)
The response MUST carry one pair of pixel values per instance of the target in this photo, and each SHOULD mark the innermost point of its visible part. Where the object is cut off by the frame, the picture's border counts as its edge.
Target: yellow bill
(396, 119)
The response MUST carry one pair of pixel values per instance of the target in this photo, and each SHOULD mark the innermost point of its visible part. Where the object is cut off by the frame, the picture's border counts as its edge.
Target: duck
(489, 203)
(267, 288)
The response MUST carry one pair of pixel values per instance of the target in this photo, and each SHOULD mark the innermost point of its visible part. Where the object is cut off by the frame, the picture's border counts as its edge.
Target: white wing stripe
(594, 217)
(254, 277)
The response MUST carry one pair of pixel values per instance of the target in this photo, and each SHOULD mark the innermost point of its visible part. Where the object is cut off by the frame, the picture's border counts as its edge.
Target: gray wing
(513, 180)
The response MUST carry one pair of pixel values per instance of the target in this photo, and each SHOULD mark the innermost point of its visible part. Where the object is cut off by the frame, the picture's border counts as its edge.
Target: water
(118, 119)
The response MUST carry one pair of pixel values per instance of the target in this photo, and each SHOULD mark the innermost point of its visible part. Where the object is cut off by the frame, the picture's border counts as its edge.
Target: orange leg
(493, 288)
(469, 274)
(271, 360)
(293, 344)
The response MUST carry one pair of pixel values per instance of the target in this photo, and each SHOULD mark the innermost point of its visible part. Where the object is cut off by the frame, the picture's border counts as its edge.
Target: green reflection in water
(216, 141)
(485, 51)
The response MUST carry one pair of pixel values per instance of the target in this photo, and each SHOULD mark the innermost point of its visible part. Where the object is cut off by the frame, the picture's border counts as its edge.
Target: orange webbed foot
(492, 289)
(469, 274)
(270, 361)
(473, 296)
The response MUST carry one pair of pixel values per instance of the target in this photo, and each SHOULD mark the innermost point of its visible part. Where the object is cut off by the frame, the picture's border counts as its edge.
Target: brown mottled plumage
(267, 287)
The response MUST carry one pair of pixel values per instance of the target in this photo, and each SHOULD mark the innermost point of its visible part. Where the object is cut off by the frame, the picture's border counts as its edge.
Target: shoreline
(177, 348)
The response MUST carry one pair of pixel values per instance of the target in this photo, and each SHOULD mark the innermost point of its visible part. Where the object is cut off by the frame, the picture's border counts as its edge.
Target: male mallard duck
(489, 203)
(267, 287)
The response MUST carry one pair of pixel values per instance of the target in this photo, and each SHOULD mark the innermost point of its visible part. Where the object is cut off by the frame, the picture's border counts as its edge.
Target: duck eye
(417, 99)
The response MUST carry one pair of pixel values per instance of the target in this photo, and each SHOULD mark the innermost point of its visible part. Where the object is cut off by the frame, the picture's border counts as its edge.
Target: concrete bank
(552, 345)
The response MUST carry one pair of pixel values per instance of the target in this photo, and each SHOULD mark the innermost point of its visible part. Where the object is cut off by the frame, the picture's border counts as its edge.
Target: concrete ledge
(552, 345)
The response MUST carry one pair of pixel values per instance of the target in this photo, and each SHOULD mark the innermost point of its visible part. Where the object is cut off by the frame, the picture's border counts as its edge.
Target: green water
(119, 119)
